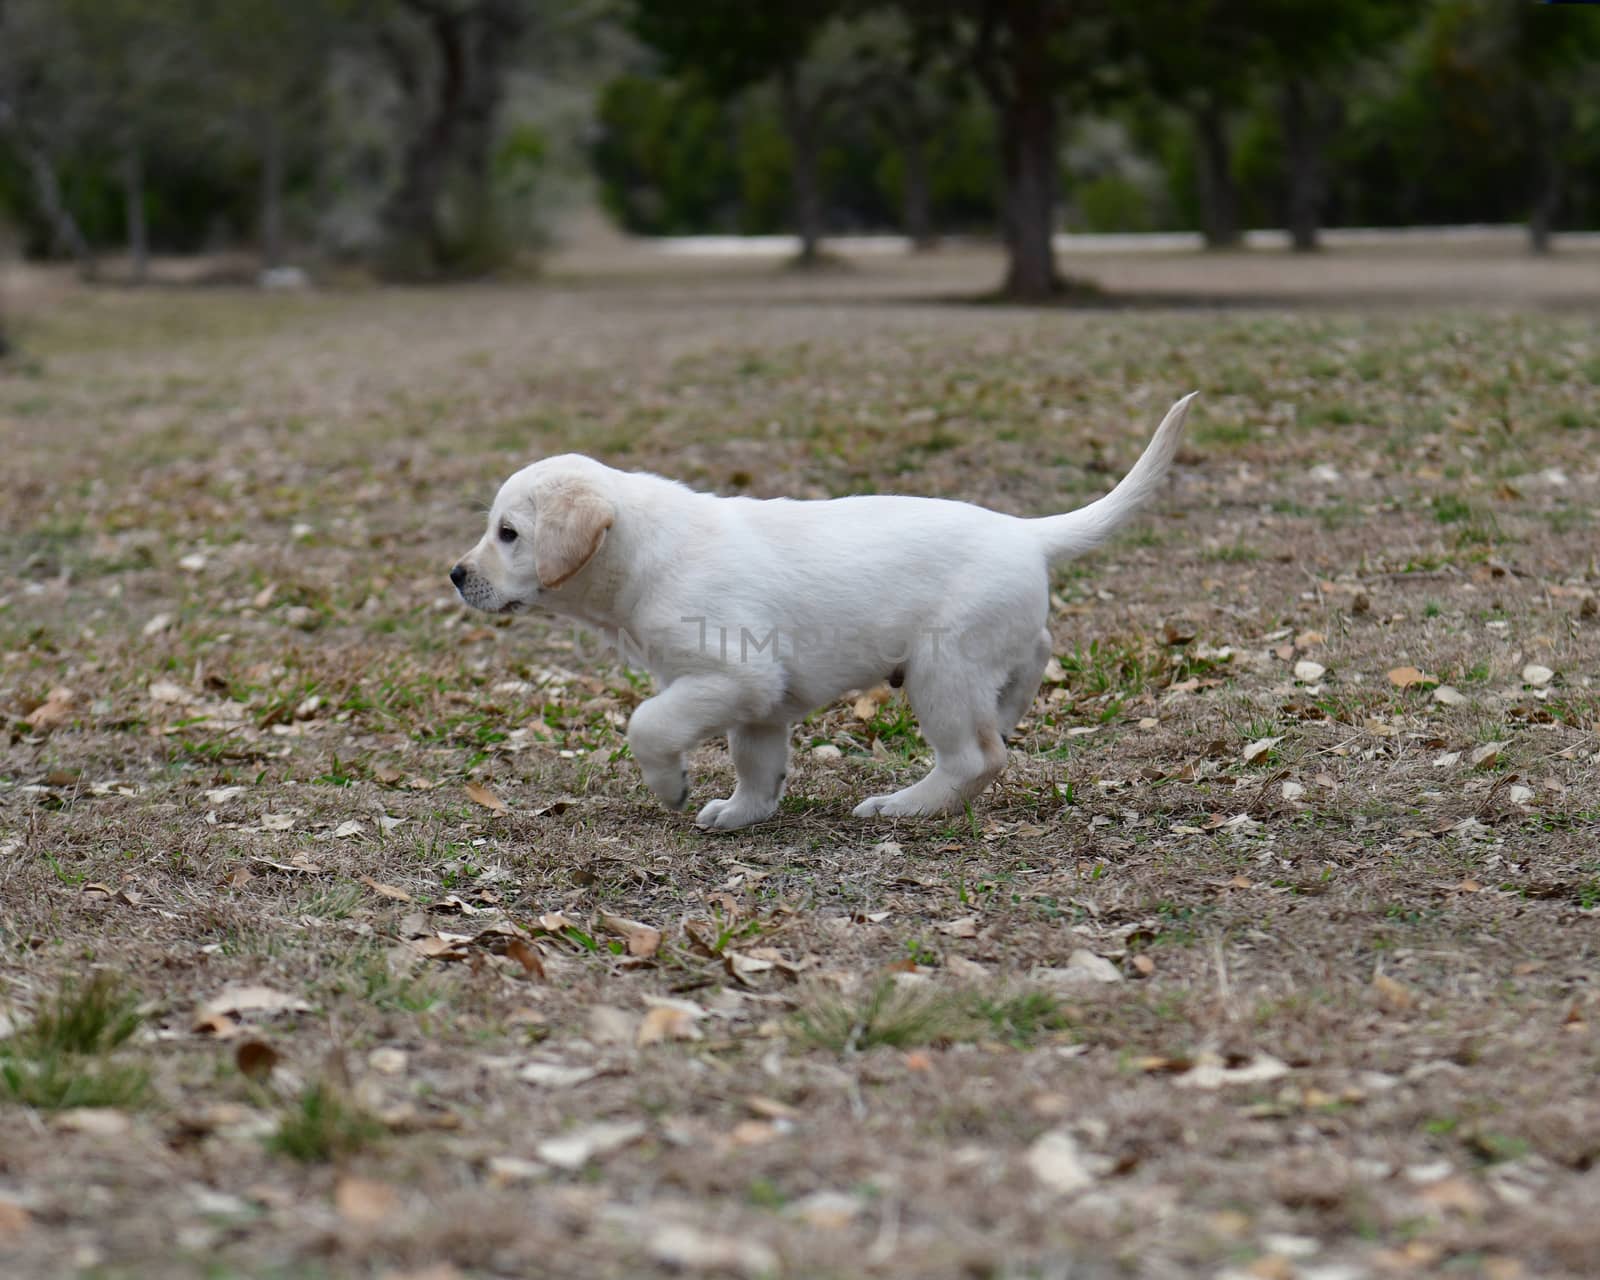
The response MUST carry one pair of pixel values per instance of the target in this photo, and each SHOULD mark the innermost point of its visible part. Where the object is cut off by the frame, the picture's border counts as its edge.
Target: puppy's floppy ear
(569, 525)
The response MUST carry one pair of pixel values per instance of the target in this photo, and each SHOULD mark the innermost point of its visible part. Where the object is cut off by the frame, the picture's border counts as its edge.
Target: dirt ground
(338, 936)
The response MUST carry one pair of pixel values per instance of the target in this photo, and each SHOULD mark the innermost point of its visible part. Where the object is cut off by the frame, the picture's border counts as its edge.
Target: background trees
(430, 137)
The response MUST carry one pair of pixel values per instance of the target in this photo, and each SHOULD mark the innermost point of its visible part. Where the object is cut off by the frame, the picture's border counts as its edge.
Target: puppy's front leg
(684, 714)
(761, 762)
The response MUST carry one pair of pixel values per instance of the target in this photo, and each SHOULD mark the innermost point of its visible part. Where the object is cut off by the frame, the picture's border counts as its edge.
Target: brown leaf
(527, 956)
(1455, 1195)
(481, 794)
(1394, 996)
(386, 890)
(238, 878)
(363, 1202)
(642, 939)
(965, 927)
(217, 1013)
(669, 1021)
(1405, 677)
(14, 1220)
(53, 712)
(1180, 630)
(746, 969)
(255, 1060)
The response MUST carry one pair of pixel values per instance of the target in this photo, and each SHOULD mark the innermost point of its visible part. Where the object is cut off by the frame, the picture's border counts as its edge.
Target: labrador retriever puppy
(752, 613)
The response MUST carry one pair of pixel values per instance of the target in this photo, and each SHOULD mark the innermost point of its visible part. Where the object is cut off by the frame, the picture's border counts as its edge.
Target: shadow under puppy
(751, 613)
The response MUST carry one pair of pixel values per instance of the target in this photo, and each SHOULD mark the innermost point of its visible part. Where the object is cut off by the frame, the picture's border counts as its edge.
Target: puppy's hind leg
(1022, 682)
(761, 760)
(956, 710)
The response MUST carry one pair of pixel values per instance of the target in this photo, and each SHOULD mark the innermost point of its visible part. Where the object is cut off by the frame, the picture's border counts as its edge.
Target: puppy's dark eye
(507, 533)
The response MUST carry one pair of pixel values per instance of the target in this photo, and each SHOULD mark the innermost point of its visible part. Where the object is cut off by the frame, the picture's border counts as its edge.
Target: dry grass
(228, 524)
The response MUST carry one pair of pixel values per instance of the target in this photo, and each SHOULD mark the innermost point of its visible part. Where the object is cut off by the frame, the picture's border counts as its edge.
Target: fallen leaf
(363, 1202)
(1308, 672)
(1449, 696)
(1209, 1071)
(684, 1248)
(1258, 748)
(744, 968)
(1082, 967)
(1537, 675)
(96, 1122)
(965, 927)
(1292, 790)
(53, 712)
(1455, 1195)
(669, 1020)
(1486, 756)
(481, 794)
(233, 1001)
(255, 1060)
(556, 1075)
(1394, 996)
(14, 1221)
(346, 830)
(527, 956)
(641, 938)
(386, 890)
(1405, 677)
(826, 1210)
(1057, 1161)
(575, 1149)
(386, 1060)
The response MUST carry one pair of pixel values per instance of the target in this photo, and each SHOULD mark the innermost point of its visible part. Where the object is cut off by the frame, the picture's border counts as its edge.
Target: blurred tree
(733, 45)
(914, 92)
(1028, 56)
(449, 60)
(1511, 74)
(41, 117)
(1198, 55)
(262, 70)
(1308, 49)
(664, 157)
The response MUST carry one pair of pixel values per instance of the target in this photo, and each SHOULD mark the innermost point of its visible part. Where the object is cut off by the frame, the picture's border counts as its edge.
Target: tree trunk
(916, 198)
(1219, 195)
(133, 198)
(1028, 148)
(457, 107)
(799, 123)
(1551, 119)
(1305, 136)
(64, 229)
(271, 212)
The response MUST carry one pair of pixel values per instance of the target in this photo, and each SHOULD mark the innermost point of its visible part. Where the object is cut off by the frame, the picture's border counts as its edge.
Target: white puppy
(750, 614)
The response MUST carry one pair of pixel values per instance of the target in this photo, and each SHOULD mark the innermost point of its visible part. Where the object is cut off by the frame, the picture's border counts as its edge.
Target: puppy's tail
(1078, 531)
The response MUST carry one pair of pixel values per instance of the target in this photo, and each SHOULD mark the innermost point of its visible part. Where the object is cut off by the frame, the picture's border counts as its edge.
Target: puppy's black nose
(458, 575)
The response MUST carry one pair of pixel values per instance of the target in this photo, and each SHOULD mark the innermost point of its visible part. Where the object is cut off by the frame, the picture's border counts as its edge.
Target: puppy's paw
(873, 806)
(725, 815)
(670, 785)
(892, 806)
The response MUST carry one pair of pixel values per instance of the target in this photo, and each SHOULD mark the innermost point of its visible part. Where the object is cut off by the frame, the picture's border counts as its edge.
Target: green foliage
(65, 1056)
(322, 1124)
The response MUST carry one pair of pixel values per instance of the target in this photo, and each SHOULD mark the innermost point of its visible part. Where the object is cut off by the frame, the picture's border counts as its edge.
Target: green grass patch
(321, 1125)
(66, 1057)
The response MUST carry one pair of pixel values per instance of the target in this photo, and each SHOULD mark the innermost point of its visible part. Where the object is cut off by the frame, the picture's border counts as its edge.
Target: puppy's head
(548, 521)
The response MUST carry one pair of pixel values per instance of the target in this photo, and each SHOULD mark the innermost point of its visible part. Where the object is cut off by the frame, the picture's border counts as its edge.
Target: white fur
(750, 614)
